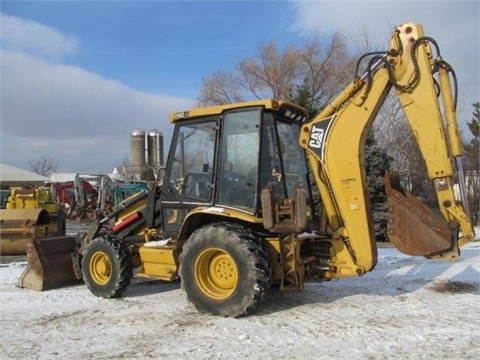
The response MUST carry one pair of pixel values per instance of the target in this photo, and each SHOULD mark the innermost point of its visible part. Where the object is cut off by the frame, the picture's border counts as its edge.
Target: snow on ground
(407, 307)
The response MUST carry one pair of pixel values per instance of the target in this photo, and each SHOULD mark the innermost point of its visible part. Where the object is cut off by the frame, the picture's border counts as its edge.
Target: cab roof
(290, 110)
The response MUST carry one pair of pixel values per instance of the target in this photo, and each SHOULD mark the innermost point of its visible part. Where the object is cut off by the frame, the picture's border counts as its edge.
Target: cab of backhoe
(223, 156)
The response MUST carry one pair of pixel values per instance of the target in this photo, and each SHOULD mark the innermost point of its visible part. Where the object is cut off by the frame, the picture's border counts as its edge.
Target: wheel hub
(216, 273)
(100, 268)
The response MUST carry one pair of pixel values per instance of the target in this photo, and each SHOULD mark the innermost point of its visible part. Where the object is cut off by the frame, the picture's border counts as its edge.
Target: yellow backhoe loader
(234, 214)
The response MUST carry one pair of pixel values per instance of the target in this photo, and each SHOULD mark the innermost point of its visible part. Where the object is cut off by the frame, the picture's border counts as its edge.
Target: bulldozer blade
(49, 263)
(413, 227)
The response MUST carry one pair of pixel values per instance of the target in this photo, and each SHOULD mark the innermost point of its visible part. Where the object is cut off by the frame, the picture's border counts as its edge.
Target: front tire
(224, 270)
(106, 267)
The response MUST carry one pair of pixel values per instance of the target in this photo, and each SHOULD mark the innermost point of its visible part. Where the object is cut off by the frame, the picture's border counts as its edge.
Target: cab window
(192, 166)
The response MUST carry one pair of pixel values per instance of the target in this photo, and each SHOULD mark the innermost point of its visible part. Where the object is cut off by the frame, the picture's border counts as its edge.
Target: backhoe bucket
(49, 263)
(413, 227)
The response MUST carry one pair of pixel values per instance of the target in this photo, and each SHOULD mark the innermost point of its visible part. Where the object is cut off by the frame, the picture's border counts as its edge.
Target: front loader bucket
(49, 263)
(413, 227)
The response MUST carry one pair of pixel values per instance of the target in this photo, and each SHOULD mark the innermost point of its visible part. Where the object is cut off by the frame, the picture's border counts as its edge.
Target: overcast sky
(77, 77)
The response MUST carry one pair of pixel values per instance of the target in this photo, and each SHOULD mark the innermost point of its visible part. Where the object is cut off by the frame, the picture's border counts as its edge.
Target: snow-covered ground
(405, 308)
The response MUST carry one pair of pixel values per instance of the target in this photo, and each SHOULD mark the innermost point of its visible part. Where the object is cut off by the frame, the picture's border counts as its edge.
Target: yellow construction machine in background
(29, 213)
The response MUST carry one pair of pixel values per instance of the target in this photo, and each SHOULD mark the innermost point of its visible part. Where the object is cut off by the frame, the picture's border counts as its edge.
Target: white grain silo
(155, 148)
(137, 148)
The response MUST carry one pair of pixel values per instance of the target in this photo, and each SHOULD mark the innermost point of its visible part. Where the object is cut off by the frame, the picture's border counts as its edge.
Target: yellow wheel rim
(216, 273)
(100, 268)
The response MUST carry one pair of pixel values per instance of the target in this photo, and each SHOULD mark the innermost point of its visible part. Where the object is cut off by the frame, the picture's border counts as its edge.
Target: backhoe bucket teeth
(49, 263)
(413, 227)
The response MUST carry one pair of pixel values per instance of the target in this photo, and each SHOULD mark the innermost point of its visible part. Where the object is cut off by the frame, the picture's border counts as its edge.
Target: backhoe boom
(334, 141)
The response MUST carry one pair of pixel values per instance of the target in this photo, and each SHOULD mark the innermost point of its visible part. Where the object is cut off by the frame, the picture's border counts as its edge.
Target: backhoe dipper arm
(334, 141)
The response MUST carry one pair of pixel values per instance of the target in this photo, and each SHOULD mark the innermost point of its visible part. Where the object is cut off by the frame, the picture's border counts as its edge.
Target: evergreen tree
(377, 163)
(303, 96)
(471, 148)
(472, 164)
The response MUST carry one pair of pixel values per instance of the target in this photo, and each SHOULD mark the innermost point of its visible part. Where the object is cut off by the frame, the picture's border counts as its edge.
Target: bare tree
(322, 69)
(220, 88)
(44, 165)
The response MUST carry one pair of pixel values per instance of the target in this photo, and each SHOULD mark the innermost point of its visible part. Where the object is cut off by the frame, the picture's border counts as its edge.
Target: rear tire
(224, 270)
(106, 267)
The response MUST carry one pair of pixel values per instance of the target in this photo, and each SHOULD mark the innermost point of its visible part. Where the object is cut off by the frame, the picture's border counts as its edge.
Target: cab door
(239, 154)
